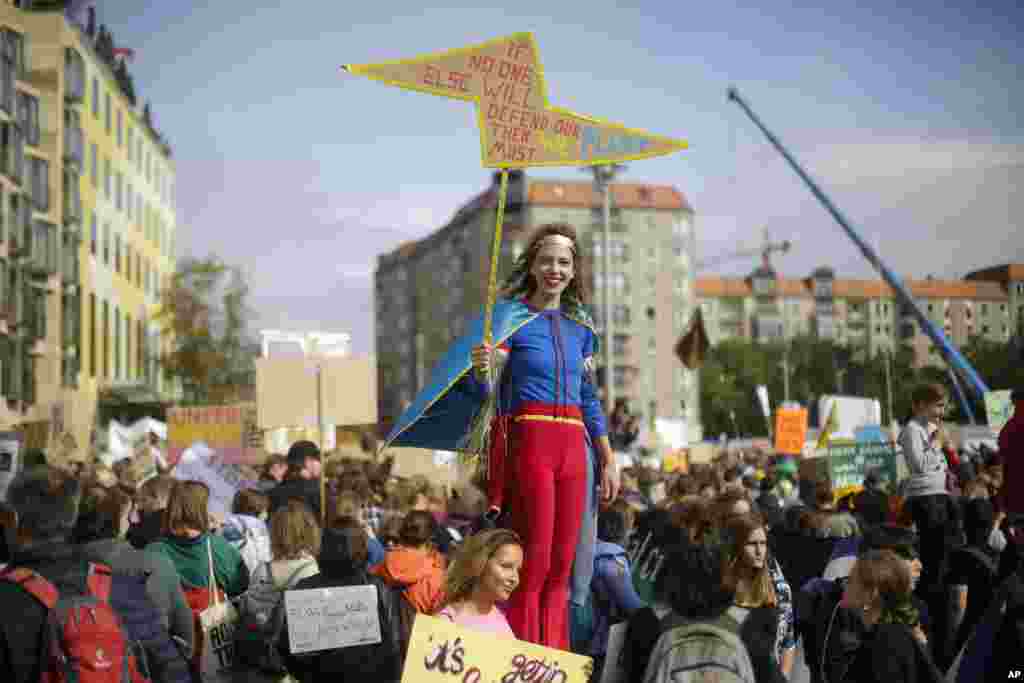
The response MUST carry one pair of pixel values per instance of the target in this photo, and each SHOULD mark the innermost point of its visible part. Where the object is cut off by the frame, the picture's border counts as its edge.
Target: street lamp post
(603, 176)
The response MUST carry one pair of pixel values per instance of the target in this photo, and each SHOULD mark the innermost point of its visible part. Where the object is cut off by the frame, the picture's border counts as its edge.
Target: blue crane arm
(949, 351)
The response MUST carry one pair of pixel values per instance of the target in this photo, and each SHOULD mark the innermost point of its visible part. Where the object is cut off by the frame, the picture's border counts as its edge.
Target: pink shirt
(493, 623)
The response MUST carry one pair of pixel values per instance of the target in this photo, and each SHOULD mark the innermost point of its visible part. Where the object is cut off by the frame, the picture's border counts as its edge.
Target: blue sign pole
(951, 353)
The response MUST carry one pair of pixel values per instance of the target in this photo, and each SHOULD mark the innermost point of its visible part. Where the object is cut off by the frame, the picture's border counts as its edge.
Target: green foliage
(816, 366)
(205, 308)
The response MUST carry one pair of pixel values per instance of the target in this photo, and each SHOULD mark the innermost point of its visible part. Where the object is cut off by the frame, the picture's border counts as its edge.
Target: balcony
(39, 185)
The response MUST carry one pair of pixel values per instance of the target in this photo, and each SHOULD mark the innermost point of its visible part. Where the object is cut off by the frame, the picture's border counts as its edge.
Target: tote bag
(217, 630)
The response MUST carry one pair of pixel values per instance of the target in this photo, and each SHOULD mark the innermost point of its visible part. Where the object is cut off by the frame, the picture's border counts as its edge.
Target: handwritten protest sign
(846, 464)
(440, 651)
(790, 430)
(998, 408)
(223, 428)
(518, 128)
(329, 618)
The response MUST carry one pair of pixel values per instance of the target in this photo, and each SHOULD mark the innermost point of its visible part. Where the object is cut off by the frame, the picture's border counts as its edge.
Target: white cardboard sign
(331, 618)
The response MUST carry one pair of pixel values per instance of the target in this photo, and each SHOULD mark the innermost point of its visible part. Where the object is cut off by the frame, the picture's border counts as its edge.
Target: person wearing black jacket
(832, 634)
(302, 481)
(342, 563)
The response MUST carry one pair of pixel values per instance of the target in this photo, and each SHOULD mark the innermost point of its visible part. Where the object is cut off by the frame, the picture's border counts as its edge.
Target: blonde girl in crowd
(484, 573)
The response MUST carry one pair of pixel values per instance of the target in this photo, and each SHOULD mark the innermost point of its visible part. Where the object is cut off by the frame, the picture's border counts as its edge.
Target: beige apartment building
(88, 222)
(863, 313)
(427, 291)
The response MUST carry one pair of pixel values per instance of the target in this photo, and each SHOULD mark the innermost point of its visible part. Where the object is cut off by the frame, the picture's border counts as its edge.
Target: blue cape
(442, 413)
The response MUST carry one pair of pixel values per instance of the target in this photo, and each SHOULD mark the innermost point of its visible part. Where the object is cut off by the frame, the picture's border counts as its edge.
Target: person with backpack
(342, 563)
(699, 640)
(48, 584)
(246, 529)
(295, 543)
(192, 549)
(145, 589)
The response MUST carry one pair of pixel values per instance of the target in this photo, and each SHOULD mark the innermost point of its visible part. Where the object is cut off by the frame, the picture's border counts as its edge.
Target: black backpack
(260, 621)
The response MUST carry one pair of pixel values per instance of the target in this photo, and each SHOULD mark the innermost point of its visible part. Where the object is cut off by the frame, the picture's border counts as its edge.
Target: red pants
(546, 497)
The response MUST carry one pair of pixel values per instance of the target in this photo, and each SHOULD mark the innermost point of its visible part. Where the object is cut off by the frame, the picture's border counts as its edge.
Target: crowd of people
(740, 569)
(738, 564)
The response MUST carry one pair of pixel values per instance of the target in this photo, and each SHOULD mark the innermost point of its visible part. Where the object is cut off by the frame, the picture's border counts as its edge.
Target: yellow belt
(549, 418)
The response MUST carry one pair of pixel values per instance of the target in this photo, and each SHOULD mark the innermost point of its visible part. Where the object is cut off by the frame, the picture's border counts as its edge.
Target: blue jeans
(583, 565)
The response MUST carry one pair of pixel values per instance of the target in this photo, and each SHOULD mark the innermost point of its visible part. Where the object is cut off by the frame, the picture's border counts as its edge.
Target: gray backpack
(701, 652)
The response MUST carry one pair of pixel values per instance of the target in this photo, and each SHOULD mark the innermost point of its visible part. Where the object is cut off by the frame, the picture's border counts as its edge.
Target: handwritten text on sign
(440, 651)
(517, 126)
(329, 618)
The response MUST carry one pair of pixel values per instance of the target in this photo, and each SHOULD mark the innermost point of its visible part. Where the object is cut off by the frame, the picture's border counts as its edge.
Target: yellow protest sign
(790, 430)
(518, 128)
(225, 429)
(442, 652)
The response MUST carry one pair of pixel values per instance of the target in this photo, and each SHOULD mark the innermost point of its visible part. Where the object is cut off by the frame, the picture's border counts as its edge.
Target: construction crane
(766, 250)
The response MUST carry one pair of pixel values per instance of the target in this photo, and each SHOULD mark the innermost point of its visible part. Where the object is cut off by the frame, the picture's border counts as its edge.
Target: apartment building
(426, 292)
(87, 213)
(863, 313)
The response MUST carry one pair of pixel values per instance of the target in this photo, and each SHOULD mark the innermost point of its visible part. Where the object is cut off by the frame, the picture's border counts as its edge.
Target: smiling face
(553, 268)
(500, 577)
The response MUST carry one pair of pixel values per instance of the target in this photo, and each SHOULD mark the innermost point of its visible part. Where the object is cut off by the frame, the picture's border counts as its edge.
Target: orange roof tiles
(712, 287)
(624, 195)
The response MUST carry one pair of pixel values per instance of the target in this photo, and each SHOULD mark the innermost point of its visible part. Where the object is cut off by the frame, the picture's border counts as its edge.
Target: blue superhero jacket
(546, 355)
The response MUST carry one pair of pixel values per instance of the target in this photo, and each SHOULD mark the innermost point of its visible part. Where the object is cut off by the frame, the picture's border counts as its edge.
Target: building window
(106, 112)
(93, 234)
(117, 342)
(119, 195)
(984, 309)
(95, 104)
(105, 329)
(131, 147)
(127, 345)
(117, 254)
(94, 165)
(129, 201)
(984, 329)
(92, 335)
(120, 130)
(107, 177)
(106, 244)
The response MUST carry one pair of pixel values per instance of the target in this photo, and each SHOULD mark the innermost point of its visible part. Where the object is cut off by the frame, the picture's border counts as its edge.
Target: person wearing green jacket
(186, 533)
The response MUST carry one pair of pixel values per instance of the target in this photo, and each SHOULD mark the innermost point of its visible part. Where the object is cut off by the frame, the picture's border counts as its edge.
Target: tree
(204, 307)
(735, 367)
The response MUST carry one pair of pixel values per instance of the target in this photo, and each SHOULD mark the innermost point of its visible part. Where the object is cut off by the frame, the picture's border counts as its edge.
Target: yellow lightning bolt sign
(518, 128)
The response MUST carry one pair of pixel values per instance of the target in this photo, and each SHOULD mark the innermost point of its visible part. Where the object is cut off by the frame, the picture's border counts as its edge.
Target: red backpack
(85, 642)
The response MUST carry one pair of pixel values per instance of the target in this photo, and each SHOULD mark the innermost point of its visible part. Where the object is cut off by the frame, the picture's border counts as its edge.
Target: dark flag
(694, 345)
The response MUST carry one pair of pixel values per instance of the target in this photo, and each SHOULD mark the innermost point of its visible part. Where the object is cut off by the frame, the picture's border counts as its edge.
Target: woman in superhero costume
(547, 410)
(549, 404)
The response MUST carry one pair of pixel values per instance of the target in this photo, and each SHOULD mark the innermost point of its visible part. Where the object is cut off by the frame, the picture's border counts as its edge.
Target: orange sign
(790, 430)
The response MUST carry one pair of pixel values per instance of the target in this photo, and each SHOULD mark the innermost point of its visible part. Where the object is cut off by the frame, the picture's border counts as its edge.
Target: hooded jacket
(419, 574)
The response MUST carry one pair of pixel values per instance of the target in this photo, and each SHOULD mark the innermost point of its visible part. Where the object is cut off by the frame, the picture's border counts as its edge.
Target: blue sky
(909, 117)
